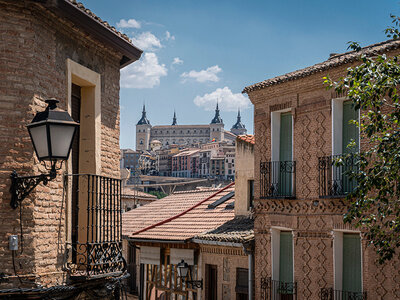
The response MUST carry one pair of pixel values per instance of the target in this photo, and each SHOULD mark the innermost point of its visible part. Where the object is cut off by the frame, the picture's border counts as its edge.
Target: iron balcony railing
(278, 290)
(331, 294)
(278, 179)
(96, 234)
(334, 179)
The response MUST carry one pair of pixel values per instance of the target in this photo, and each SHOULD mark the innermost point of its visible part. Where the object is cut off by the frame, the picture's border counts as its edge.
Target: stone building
(59, 49)
(201, 228)
(303, 248)
(185, 135)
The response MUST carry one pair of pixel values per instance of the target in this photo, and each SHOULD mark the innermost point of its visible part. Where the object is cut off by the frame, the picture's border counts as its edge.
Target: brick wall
(34, 47)
(312, 219)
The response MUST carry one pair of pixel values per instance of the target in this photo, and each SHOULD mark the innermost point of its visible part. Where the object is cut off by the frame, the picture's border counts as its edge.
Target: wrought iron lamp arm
(198, 284)
(21, 186)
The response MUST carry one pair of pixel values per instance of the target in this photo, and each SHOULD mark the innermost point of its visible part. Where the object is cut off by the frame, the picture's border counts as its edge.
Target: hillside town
(300, 203)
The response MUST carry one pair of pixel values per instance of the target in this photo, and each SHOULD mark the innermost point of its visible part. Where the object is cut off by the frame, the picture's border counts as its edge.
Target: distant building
(184, 135)
(185, 163)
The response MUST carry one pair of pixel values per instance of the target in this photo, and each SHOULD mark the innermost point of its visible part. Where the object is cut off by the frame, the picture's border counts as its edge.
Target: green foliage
(158, 194)
(374, 206)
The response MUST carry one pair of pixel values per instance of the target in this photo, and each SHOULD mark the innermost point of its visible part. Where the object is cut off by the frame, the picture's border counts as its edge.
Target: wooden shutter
(351, 262)
(285, 147)
(350, 131)
(286, 257)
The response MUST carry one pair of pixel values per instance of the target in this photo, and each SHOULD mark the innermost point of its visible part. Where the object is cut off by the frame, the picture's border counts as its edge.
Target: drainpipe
(249, 250)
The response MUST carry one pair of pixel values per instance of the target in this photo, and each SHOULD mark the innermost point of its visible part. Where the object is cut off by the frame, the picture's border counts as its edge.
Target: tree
(374, 205)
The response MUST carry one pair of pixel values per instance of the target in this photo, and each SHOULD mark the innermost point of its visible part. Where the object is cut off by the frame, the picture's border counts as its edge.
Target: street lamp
(52, 132)
(183, 270)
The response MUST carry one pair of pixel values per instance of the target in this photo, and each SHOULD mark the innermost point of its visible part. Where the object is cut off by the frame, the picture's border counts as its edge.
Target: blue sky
(198, 51)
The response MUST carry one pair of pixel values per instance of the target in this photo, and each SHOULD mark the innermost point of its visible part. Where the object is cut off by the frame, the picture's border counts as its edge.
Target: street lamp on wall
(183, 270)
(52, 132)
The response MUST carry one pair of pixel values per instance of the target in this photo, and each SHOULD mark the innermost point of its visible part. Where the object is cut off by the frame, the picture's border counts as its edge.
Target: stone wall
(227, 260)
(34, 47)
(312, 219)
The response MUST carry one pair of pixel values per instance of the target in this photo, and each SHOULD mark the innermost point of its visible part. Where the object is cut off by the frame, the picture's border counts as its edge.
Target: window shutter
(351, 262)
(350, 131)
(286, 257)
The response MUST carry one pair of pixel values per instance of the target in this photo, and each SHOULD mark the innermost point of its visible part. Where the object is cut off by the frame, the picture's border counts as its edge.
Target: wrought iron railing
(96, 234)
(334, 178)
(331, 294)
(278, 179)
(278, 290)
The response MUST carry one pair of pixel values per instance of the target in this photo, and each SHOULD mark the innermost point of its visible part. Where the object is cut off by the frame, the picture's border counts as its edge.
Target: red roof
(178, 217)
(248, 138)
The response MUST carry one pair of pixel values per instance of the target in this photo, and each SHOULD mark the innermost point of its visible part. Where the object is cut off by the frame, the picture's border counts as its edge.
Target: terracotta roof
(178, 217)
(333, 61)
(98, 19)
(238, 230)
(129, 192)
(248, 138)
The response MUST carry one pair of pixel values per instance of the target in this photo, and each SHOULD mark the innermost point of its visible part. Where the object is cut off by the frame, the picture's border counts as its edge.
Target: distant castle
(185, 135)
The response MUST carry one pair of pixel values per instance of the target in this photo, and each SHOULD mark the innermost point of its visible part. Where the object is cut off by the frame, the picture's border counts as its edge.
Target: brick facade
(35, 45)
(311, 219)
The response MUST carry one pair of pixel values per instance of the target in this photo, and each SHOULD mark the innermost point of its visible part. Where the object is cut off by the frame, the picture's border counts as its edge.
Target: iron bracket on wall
(198, 284)
(21, 186)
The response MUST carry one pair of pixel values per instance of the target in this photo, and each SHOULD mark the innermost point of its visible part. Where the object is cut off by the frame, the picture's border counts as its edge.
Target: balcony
(278, 290)
(334, 180)
(95, 248)
(331, 294)
(278, 179)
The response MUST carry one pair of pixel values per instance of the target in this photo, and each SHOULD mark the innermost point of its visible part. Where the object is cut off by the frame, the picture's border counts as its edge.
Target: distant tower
(143, 129)
(238, 128)
(174, 120)
(217, 127)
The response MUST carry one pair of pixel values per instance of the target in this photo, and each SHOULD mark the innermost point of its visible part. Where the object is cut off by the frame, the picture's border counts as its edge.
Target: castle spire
(217, 118)
(144, 120)
(174, 119)
(238, 127)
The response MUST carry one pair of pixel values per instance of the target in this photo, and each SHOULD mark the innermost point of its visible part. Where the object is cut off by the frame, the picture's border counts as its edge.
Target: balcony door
(350, 132)
(285, 155)
(351, 263)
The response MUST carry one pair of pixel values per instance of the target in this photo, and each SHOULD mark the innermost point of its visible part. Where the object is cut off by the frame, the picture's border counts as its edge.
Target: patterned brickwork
(311, 218)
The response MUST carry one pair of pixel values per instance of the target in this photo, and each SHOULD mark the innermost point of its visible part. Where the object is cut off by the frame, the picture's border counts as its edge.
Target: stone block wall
(227, 260)
(34, 47)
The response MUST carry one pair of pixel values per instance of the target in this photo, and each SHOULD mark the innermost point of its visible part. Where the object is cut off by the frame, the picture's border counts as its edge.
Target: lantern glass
(61, 138)
(183, 269)
(39, 140)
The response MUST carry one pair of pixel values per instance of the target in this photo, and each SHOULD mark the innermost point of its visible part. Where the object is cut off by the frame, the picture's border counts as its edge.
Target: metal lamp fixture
(183, 270)
(52, 132)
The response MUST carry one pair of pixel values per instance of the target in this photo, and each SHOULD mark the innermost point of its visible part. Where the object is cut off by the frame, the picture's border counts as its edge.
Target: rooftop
(333, 61)
(179, 217)
(248, 138)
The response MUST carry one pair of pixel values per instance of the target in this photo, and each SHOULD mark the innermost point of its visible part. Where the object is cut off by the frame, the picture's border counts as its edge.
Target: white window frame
(275, 250)
(338, 257)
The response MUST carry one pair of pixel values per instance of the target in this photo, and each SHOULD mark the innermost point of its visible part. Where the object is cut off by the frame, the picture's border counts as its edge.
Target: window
(348, 262)
(211, 282)
(242, 284)
(282, 255)
(251, 193)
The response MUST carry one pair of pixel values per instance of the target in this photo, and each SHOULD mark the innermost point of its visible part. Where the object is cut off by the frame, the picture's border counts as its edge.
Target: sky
(198, 52)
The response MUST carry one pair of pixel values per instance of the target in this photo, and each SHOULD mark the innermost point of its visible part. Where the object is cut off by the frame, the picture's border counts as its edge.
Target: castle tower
(217, 127)
(143, 129)
(238, 128)
(174, 120)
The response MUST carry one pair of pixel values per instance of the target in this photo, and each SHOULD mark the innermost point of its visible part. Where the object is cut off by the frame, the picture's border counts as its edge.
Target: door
(211, 282)
(350, 132)
(132, 269)
(285, 155)
(351, 263)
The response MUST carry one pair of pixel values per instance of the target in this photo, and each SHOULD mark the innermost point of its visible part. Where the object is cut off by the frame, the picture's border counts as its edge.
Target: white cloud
(131, 23)
(227, 100)
(147, 41)
(210, 74)
(177, 61)
(168, 36)
(144, 74)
